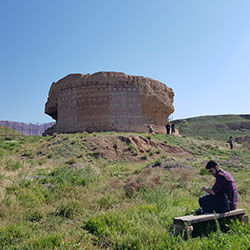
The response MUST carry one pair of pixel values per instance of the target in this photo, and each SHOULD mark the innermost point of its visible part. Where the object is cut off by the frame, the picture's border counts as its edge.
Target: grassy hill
(218, 127)
(6, 132)
(95, 191)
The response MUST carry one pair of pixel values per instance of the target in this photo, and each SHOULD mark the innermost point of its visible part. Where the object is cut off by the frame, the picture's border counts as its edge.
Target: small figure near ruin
(150, 129)
(168, 128)
(172, 128)
(223, 196)
(230, 141)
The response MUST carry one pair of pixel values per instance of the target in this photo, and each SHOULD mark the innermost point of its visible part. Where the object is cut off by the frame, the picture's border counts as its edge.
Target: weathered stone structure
(109, 101)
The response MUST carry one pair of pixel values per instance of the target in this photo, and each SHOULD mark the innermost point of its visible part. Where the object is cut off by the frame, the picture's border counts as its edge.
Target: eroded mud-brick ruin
(108, 101)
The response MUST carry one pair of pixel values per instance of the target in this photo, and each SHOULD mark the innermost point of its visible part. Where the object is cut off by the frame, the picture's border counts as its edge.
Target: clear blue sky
(199, 48)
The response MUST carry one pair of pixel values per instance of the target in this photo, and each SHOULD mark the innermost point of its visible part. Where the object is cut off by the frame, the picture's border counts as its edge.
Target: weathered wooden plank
(191, 219)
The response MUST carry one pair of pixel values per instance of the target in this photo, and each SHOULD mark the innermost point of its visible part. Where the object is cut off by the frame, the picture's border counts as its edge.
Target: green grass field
(6, 132)
(59, 192)
(218, 127)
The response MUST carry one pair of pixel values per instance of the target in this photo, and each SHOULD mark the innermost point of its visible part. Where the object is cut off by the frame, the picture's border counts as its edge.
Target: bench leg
(181, 228)
(190, 229)
(245, 219)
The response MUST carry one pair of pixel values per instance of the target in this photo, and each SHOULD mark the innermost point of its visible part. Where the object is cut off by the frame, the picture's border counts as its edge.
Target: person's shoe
(199, 211)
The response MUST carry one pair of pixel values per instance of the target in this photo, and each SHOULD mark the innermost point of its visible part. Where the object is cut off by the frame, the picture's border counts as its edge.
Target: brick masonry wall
(109, 101)
(100, 107)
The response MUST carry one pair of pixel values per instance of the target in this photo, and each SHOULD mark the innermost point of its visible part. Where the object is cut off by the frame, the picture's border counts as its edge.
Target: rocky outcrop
(109, 101)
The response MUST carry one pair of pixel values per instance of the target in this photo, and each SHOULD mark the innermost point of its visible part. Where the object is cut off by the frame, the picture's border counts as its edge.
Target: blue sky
(200, 49)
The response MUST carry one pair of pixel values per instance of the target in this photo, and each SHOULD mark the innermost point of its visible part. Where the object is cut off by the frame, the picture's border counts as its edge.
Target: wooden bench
(187, 222)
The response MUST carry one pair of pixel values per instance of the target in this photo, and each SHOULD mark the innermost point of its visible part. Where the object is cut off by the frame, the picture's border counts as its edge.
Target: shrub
(12, 234)
(96, 155)
(131, 187)
(144, 157)
(10, 145)
(132, 149)
(158, 162)
(135, 228)
(50, 155)
(31, 194)
(71, 161)
(66, 175)
(68, 210)
(158, 151)
(35, 216)
(115, 183)
(13, 165)
(158, 197)
(203, 171)
(106, 202)
(182, 174)
(52, 241)
(148, 178)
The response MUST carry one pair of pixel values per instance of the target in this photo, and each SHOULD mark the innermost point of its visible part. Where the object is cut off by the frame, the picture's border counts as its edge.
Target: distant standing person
(168, 128)
(172, 128)
(150, 129)
(230, 141)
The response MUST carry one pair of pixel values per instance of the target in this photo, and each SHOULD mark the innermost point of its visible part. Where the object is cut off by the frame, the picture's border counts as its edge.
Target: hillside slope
(112, 191)
(6, 131)
(218, 127)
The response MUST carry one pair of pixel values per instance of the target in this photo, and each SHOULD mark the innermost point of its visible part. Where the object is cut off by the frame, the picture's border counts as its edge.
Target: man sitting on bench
(223, 196)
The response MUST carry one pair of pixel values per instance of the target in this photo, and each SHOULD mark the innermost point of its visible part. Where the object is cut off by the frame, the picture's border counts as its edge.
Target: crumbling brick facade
(109, 101)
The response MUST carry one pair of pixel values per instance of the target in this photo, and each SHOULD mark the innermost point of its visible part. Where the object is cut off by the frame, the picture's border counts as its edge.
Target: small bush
(203, 171)
(52, 241)
(132, 149)
(13, 165)
(106, 202)
(71, 161)
(144, 157)
(135, 228)
(27, 154)
(10, 145)
(158, 162)
(150, 152)
(68, 210)
(66, 175)
(35, 216)
(49, 155)
(158, 151)
(158, 197)
(31, 194)
(146, 179)
(12, 234)
(115, 183)
(96, 155)
(131, 187)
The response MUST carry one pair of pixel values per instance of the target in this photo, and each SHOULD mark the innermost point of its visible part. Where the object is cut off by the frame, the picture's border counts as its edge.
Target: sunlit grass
(56, 195)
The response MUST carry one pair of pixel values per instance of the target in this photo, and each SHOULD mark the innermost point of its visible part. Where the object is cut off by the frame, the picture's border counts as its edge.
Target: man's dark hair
(211, 164)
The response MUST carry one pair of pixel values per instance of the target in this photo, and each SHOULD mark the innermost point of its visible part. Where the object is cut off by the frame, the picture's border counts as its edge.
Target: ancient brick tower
(109, 101)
